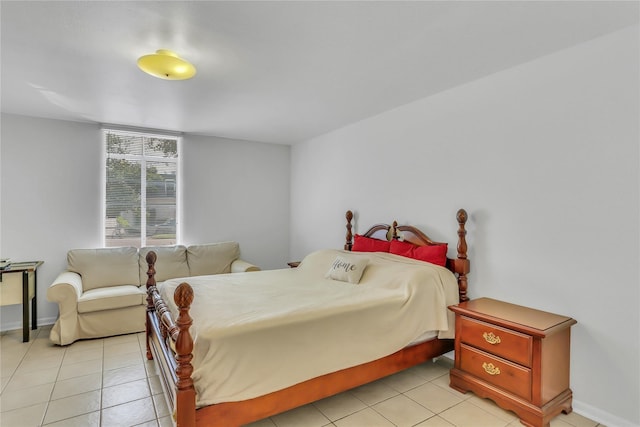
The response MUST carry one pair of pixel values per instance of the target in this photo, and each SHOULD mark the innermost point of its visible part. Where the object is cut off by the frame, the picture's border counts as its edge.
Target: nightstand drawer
(502, 342)
(494, 370)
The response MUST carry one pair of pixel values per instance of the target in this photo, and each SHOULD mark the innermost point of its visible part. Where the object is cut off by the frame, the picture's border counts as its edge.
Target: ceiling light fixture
(167, 65)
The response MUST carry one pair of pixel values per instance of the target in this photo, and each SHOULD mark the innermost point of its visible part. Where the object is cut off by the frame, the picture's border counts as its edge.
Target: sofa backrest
(104, 267)
(212, 258)
(170, 263)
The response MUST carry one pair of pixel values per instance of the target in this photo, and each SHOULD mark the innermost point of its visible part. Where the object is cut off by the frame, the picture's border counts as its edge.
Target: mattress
(259, 332)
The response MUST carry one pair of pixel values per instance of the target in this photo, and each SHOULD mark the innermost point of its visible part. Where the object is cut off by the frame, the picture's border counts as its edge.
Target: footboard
(170, 344)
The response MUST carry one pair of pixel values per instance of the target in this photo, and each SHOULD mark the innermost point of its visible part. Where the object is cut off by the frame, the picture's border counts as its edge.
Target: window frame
(142, 159)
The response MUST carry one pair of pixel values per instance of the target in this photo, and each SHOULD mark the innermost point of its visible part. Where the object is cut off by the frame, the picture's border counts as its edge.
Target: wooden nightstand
(516, 356)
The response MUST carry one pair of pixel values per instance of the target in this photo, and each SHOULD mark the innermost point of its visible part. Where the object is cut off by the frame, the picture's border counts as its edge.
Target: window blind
(141, 172)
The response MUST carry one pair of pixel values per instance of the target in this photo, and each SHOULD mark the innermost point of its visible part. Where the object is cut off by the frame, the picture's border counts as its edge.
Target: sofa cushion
(171, 262)
(104, 267)
(111, 297)
(213, 258)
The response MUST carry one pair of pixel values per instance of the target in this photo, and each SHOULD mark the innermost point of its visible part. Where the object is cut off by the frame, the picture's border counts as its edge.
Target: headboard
(408, 233)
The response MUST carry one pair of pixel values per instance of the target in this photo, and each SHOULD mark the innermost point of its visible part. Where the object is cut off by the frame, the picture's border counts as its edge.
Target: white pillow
(171, 262)
(105, 267)
(347, 269)
(212, 258)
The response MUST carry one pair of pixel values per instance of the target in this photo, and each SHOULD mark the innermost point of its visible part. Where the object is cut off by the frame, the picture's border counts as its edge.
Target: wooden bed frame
(175, 371)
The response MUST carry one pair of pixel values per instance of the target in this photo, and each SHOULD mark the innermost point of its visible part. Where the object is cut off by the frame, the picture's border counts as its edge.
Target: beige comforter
(259, 332)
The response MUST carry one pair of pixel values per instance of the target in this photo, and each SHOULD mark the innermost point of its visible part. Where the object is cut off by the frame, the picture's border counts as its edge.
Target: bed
(266, 342)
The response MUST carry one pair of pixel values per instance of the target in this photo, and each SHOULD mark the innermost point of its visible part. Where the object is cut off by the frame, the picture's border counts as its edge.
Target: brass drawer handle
(490, 369)
(491, 338)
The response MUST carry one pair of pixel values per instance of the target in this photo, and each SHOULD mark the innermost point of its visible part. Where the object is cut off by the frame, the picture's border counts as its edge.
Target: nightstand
(514, 355)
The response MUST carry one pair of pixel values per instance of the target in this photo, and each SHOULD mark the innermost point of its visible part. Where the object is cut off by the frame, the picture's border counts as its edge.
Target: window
(141, 172)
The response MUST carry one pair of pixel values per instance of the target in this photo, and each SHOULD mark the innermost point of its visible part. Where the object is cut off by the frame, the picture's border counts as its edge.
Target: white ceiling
(268, 71)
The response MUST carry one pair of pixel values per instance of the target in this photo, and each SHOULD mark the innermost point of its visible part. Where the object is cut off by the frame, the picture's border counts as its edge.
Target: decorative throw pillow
(401, 248)
(347, 269)
(212, 258)
(435, 254)
(104, 267)
(171, 262)
(368, 244)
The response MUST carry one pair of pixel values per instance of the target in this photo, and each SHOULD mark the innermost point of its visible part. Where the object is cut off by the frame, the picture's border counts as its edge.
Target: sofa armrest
(241, 266)
(65, 290)
(67, 287)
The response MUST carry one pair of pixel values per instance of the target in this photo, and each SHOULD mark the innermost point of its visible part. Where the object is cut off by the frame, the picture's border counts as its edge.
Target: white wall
(545, 159)
(50, 195)
(238, 190)
(51, 191)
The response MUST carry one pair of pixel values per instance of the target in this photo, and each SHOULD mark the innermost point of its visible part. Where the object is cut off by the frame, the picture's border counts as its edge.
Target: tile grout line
(101, 386)
(46, 409)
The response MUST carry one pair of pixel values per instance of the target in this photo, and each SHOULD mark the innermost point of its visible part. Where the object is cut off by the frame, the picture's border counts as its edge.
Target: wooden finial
(461, 216)
(183, 296)
(151, 271)
(394, 226)
(349, 237)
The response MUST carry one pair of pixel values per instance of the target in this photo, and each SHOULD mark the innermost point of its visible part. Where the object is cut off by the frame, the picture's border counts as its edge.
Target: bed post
(151, 282)
(462, 261)
(349, 238)
(185, 393)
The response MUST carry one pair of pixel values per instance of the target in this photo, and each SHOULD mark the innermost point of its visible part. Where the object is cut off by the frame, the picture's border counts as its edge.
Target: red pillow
(368, 244)
(401, 248)
(435, 254)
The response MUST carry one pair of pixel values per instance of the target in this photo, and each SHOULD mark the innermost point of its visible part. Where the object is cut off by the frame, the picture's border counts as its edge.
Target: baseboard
(12, 326)
(600, 416)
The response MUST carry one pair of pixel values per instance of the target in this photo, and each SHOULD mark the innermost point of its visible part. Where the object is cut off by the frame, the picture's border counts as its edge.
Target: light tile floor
(108, 382)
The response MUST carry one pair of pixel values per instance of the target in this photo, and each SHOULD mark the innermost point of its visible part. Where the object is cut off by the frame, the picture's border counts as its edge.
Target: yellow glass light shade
(167, 65)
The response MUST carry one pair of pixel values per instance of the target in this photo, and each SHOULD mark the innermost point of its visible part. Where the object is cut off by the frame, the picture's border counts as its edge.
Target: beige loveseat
(103, 291)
